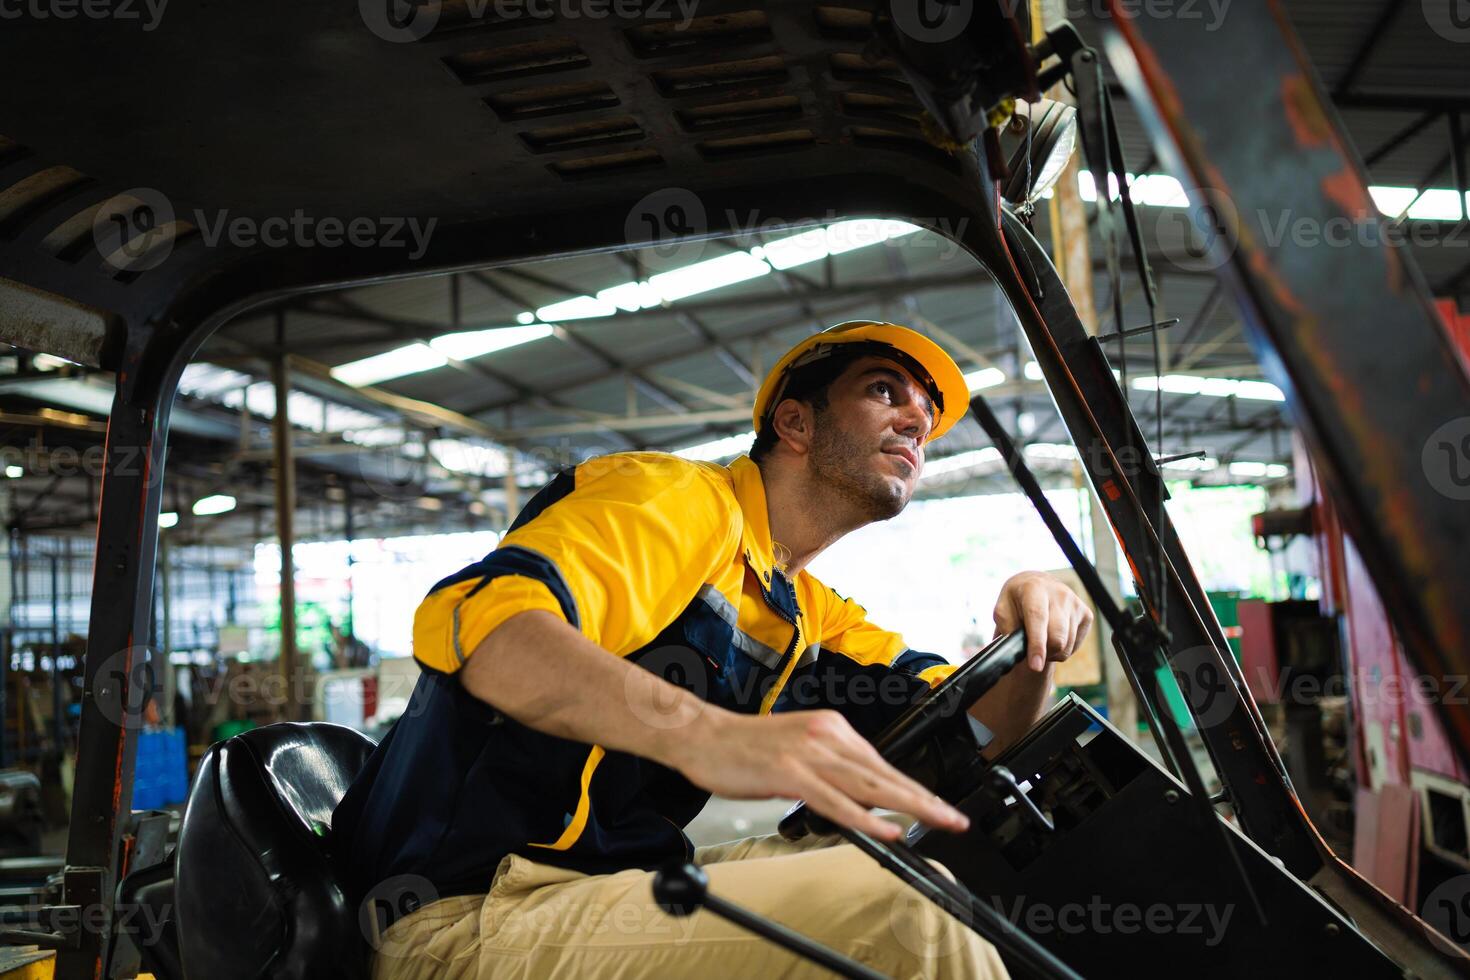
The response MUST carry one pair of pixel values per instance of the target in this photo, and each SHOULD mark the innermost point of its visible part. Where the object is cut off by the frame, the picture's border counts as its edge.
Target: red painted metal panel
(1258, 660)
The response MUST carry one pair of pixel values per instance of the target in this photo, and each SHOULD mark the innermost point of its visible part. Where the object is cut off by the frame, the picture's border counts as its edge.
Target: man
(640, 640)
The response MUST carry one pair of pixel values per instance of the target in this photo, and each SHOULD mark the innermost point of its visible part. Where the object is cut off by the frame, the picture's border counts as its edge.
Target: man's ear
(793, 423)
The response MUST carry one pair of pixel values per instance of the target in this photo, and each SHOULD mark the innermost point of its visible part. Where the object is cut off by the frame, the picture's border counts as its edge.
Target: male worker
(636, 643)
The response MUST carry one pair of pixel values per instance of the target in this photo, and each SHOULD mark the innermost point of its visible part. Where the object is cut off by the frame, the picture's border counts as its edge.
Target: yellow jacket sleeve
(847, 631)
(618, 548)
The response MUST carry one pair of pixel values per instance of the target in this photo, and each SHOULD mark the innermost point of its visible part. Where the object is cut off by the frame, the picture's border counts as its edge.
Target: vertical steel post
(115, 672)
(285, 518)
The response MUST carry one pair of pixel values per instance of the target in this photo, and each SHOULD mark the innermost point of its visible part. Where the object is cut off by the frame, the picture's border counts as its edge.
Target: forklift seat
(256, 893)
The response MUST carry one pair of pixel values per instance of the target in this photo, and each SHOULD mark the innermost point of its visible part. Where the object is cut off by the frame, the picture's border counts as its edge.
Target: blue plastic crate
(161, 775)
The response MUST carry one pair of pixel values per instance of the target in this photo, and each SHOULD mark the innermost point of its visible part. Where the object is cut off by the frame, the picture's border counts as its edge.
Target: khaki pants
(539, 921)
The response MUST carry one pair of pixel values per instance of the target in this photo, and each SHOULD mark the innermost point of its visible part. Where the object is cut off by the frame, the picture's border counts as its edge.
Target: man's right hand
(546, 675)
(816, 756)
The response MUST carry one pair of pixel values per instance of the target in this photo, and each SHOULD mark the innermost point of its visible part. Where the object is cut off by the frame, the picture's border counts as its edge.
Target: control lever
(1002, 782)
(680, 888)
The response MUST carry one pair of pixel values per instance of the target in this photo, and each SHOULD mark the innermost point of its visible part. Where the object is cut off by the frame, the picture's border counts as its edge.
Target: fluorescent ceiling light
(1032, 371)
(526, 317)
(13, 472)
(218, 503)
(399, 363)
(718, 448)
(834, 239)
(1164, 191)
(1189, 384)
(168, 519)
(1251, 467)
(710, 274)
(985, 378)
(577, 308)
(630, 297)
(472, 343)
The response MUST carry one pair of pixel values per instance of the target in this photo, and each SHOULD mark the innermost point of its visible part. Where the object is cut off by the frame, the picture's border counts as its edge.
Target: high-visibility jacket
(657, 559)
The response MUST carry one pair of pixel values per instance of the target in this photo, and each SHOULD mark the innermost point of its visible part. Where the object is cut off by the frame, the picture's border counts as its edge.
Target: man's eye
(883, 387)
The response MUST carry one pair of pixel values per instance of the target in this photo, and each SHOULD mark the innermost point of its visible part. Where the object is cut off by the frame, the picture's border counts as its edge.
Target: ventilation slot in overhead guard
(721, 115)
(717, 32)
(515, 60)
(25, 198)
(908, 143)
(596, 132)
(721, 75)
(848, 67)
(757, 144)
(867, 105)
(844, 22)
(551, 100)
(610, 163)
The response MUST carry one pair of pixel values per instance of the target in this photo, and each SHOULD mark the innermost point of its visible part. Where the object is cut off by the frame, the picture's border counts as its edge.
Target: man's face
(868, 443)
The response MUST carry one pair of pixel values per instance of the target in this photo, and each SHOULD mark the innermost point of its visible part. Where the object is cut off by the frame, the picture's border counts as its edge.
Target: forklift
(524, 134)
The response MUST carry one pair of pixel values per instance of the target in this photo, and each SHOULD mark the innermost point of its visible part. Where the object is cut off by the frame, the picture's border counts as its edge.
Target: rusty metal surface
(1341, 319)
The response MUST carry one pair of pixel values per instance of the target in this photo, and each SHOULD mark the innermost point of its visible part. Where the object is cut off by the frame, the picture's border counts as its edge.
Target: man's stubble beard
(840, 465)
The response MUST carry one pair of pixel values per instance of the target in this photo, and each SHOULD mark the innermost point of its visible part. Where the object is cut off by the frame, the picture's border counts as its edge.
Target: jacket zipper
(796, 629)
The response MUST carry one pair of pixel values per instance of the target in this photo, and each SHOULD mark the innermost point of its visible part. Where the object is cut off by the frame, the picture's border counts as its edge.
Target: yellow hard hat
(934, 369)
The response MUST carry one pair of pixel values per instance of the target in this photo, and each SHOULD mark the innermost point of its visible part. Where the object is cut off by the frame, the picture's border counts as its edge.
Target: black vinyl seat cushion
(257, 896)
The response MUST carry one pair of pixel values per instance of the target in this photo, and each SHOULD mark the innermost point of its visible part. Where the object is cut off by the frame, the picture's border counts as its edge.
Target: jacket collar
(750, 493)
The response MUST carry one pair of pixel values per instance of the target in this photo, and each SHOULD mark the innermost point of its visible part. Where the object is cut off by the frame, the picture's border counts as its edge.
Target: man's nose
(915, 421)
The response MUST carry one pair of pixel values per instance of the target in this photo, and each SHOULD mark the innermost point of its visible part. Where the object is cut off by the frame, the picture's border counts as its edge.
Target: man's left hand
(1055, 619)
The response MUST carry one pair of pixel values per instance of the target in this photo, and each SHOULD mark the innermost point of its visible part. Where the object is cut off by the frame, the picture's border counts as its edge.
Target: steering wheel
(929, 720)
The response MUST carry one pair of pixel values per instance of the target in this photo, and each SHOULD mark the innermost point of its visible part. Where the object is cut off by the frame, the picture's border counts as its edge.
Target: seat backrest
(256, 893)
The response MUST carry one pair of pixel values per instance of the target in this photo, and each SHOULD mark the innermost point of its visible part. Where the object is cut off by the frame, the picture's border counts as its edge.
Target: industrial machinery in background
(1367, 751)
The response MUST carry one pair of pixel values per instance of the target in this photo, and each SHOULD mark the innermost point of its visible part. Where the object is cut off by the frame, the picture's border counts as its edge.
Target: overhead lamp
(215, 503)
(1053, 137)
(168, 519)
